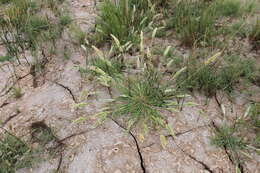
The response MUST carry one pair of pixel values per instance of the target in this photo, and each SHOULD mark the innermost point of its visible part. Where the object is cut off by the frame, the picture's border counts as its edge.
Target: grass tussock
(241, 136)
(209, 78)
(225, 138)
(141, 100)
(228, 7)
(193, 21)
(123, 19)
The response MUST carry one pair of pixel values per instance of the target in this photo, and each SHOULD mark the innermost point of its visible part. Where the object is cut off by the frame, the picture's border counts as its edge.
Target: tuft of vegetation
(123, 19)
(193, 21)
(17, 92)
(225, 138)
(209, 78)
(254, 35)
(141, 99)
(14, 154)
(65, 20)
(228, 7)
(78, 36)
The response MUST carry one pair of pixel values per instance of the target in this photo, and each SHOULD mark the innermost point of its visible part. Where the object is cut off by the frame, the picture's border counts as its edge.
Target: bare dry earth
(108, 148)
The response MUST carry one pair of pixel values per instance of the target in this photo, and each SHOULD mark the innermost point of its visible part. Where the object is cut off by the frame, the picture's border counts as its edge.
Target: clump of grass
(78, 36)
(123, 20)
(193, 21)
(34, 29)
(5, 58)
(209, 78)
(238, 27)
(65, 20)
(141, 100)
(225, 138)
(228, 7)
(240, 137)
(14, 154)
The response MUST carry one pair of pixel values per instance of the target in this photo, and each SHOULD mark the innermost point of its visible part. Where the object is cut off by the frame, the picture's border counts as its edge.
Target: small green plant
(14, 154)
(225, 138)
(65, 20)
(78, 36)
(193, 21)
(17, 92)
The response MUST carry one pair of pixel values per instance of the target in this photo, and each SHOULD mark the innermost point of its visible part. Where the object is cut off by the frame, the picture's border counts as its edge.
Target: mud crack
(68, 89)
(136, 143)
(204, 165)
(4, 104)
(10, 118)
(187, 131)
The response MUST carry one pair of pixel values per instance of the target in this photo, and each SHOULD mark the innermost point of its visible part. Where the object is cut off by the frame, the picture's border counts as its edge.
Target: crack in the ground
(136, 143)
(4, 104)
(187, 131)
(10, 118)
(68, 89)
(204, 165)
